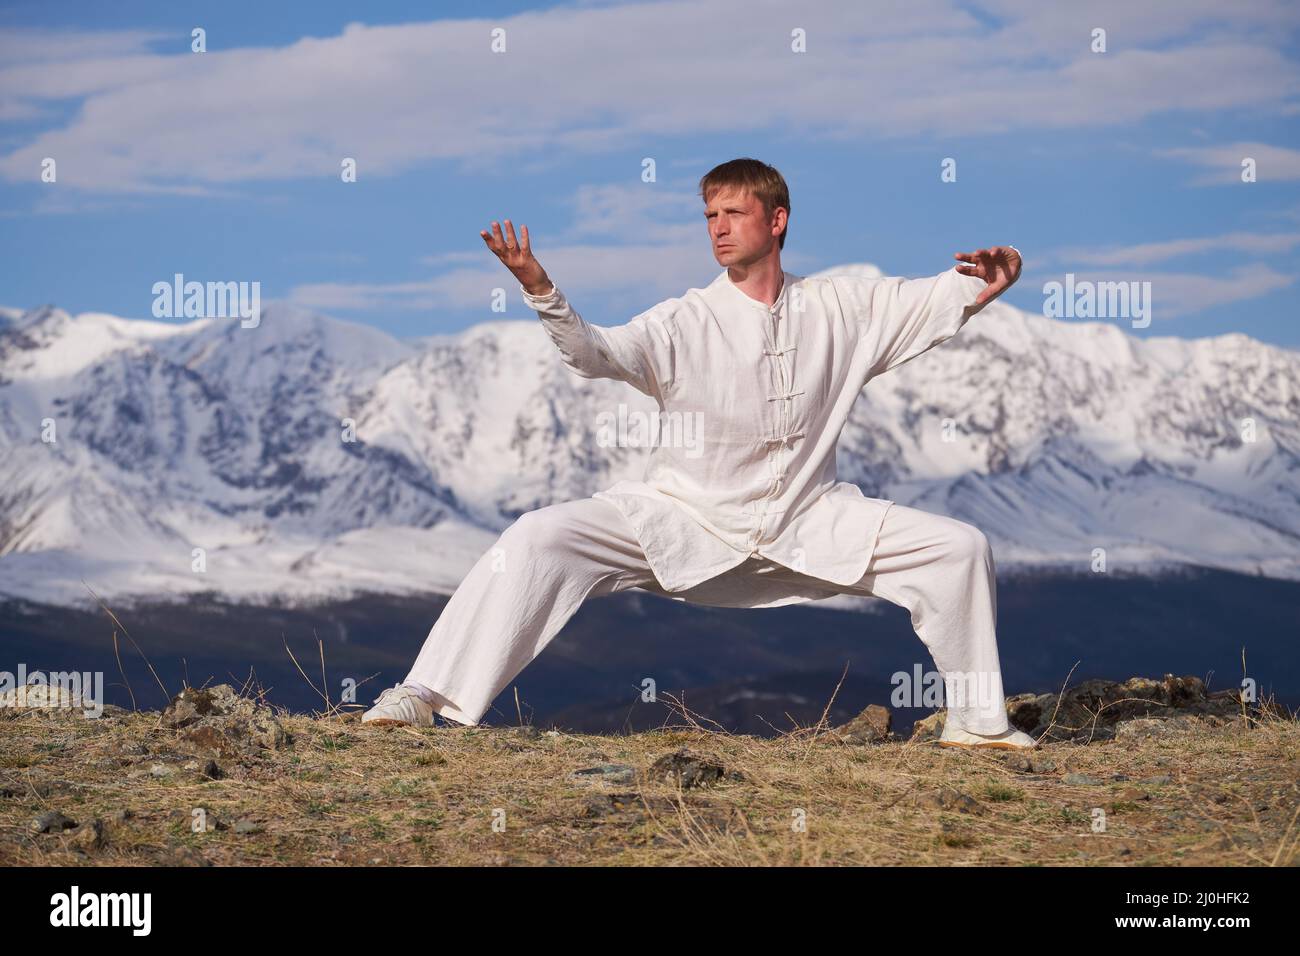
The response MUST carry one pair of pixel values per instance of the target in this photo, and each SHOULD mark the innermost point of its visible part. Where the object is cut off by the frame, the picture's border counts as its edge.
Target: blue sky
(224, 165)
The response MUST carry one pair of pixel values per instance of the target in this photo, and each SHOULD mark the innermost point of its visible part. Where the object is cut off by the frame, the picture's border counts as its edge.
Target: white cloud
(1176, 294)
(1149, 252)
(1272, 163)
(618, 273)
(47, 47)
(593, 79)
(653, 252)
(646, 211)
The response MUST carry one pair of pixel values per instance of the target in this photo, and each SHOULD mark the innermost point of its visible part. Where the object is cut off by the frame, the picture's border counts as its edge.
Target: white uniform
(749, 513)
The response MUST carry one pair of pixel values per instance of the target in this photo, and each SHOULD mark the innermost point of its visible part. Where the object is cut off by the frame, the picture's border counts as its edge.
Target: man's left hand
(999, 266)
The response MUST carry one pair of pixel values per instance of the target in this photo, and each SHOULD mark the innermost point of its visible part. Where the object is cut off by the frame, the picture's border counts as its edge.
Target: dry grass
(349, 794)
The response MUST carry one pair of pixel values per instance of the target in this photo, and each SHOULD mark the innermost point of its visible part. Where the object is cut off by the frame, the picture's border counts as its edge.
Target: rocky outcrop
(1098, 710)
(688, 770)
(872, 726)
(217, 723)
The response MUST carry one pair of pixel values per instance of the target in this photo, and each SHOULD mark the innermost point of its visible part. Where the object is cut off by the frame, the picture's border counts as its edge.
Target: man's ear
(780, 218)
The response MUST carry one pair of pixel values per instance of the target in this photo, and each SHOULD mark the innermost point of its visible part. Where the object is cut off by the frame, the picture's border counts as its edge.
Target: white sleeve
(640, 352)
(901, 318)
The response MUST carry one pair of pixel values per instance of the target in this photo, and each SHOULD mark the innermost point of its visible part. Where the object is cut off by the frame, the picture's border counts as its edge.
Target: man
(752, 515)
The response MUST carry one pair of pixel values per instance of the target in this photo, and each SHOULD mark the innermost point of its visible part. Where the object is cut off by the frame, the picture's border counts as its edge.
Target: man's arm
(639, 353)
(904, 318)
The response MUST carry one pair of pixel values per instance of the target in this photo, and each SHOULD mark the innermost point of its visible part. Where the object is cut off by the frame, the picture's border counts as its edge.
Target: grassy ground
(341, 793)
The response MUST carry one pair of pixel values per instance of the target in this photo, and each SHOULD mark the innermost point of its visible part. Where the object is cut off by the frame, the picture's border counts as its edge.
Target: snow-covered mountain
(125, 445)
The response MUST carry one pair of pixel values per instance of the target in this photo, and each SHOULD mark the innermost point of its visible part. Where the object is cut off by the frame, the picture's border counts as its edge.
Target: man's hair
(755, 177)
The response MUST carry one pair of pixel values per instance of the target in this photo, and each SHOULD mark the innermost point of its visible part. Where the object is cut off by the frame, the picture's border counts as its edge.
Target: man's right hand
(517, 257)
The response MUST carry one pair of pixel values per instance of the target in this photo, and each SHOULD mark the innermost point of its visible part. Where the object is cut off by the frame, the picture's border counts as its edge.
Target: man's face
(738, 230)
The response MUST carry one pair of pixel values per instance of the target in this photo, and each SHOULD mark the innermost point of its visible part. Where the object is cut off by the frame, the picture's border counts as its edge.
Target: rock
(188, 707)
(1145, 728)
(53, 822)
(208, 769)
(217, 723)
(54, 788)
(872, 726)
(88, 837)
(188, 817)
(599, 805)
(690, 770)
(164, 766)
(946, 798)
(1081, 780)
(1030, 763)
(207, 739)
(246, 826)
(606, 773)
(1101, 710)
(42, 697)
(928, 728)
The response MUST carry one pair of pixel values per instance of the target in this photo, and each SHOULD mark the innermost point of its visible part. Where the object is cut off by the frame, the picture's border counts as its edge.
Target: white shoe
(1010, 739)
(399, 706)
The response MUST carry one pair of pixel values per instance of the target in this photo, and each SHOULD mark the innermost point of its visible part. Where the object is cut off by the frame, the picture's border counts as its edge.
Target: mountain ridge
(1055, 437)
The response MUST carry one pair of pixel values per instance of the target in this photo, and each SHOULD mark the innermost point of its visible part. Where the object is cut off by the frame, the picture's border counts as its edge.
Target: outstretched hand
(517, 256)
(999, 266)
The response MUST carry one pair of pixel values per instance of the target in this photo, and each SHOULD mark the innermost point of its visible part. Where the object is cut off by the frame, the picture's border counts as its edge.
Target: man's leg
(518, 596)
(941, 570)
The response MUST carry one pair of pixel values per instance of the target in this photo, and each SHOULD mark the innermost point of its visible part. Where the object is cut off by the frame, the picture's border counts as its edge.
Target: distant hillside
(751, 671)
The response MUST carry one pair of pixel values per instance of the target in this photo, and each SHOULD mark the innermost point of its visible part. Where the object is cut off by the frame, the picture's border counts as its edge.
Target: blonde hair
(758, 179)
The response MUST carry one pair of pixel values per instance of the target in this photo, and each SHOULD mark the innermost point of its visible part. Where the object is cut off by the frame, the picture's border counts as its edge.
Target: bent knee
(535, 531)
(529, 529)
(969, 543)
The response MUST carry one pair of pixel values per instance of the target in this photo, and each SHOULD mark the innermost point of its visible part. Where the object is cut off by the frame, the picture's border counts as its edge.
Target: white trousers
(523, 591)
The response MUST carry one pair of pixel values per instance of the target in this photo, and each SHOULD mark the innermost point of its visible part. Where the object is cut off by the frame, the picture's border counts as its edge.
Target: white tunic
(773, 388)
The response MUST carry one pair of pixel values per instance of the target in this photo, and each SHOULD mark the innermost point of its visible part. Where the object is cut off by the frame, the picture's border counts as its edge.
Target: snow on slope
(1054, 437)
